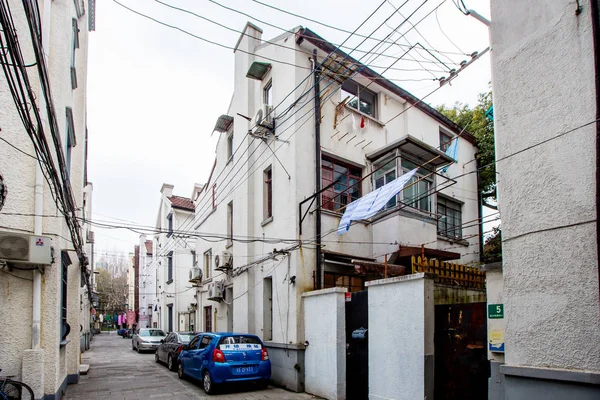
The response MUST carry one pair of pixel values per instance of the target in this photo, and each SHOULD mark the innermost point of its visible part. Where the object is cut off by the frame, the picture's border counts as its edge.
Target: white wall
(550, 266)
(399, 347)
(325, 330)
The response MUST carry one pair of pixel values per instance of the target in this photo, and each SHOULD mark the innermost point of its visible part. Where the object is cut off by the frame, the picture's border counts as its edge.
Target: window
(230, 224)
(360, 98)
(450, 218)
(71, 139)
(268, 193)
(170, 267)
(194, 343)
(352, 283)
(208, 264)
(445, 140)
(208, 319)
(347, 184)
(206, 339)
(75, 46)
(170, 223)
(417, 192)
(64, 325)
(385, 172)
(268, 93)
(230, 146)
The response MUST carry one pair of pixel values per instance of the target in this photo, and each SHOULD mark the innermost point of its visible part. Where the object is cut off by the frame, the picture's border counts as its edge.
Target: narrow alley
(117, 372)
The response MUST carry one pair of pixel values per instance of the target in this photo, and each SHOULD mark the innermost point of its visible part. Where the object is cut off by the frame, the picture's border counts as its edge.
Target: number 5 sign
(495, 311)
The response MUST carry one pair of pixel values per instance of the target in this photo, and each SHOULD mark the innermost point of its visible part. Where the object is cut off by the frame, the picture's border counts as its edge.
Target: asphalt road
(117, 372)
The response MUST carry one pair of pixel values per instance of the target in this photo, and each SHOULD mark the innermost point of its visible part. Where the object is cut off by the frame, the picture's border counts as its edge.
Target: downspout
(39, 196)
(596, 40)
(317, 170)
(479, 211)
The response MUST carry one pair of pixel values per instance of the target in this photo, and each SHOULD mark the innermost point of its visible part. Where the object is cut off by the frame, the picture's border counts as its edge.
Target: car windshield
(185, 338)
(239, 340)
(151, 332)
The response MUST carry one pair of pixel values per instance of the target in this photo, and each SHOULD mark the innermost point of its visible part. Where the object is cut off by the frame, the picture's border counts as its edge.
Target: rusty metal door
(461, 364)
(357, 346)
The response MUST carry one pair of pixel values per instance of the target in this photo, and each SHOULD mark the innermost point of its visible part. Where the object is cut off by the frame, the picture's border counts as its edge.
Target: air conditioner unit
(224, 262)
(25, 249)
(215, 291)
(262, 124)
(195, 275)
(89, 237)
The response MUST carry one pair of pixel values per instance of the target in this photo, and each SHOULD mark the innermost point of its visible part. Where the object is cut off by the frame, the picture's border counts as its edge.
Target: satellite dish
(217, 261)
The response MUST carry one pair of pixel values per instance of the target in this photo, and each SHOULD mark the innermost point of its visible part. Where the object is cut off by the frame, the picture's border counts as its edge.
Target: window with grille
(449, 218)
(346, 188)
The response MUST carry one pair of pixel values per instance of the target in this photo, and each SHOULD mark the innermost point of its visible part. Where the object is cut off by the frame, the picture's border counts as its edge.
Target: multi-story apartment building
(283, 177)
(146, 282)
(548, 161)
(43, 261)
(172, 258)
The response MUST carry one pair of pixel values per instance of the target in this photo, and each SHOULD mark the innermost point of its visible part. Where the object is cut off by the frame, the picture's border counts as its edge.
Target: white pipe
(480, 18)
(39, 196)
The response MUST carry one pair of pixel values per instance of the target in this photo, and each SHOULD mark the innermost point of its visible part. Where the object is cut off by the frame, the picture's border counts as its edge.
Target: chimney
(167, 189)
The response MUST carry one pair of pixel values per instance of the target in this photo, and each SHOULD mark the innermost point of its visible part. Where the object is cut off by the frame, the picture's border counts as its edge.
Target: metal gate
(461, 364)
(357, 346)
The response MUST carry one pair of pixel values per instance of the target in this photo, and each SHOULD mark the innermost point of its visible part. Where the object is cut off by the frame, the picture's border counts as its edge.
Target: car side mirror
(162, 340)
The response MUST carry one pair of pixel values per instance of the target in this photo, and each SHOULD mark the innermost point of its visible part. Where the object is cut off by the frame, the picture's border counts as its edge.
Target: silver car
(147, 339)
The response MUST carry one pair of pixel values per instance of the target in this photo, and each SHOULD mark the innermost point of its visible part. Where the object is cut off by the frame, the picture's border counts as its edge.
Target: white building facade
(41, 308)
(257, 206)
(146, 283)
(172, 259)
(547, 138)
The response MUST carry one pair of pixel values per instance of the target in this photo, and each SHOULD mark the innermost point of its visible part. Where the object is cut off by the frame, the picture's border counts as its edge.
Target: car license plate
(244, 370)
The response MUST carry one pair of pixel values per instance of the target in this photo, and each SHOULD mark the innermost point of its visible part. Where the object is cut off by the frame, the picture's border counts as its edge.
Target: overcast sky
(154, 93)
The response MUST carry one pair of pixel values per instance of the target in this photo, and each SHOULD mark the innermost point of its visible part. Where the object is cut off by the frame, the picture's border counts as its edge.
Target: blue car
(225, 357)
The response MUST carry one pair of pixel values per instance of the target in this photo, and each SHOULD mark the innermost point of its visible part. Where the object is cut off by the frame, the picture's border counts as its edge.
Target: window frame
(421, 174)
(349, 286)
(74, 47)
(356, 95)
(208, 319)
(383, 162)
(268, 193)
(268, 93)
(170, 267)
(71, 138)
(444, 144)
(170, 224)
(229, 146)
(330, 204)
(442, 201)
(207, 264)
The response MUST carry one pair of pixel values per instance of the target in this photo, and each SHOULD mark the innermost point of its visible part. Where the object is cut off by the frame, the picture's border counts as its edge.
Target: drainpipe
(479, 211)
(595, 35)
(317, 169)
(39, 196)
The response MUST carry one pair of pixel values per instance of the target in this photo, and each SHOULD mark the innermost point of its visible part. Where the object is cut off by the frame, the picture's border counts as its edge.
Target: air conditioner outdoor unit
(195, 274)
(224, 262)
(25, 249)
(263, 120)
(215, 291)
(89, 237)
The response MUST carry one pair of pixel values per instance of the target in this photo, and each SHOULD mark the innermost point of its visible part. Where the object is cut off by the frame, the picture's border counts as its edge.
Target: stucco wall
(325, 331)
(547, 194)
(401, 348)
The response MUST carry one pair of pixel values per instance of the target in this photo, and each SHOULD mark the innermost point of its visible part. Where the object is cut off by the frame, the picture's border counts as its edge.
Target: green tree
(476, 122)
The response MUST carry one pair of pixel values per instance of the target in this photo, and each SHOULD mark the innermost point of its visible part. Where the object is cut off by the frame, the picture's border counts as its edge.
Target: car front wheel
(207, 383)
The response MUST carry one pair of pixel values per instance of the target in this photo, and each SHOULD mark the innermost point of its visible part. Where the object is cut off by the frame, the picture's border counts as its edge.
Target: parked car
(169, 349)
(219, 358)
(147, 339)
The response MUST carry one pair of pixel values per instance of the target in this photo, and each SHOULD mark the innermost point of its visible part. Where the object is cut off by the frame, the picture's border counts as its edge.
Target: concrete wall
(325, 331)
(45, 369)
(547, 194)
(401, 348)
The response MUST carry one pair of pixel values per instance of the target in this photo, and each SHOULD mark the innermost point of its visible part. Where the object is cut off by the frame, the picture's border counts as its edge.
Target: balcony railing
(450, 273)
